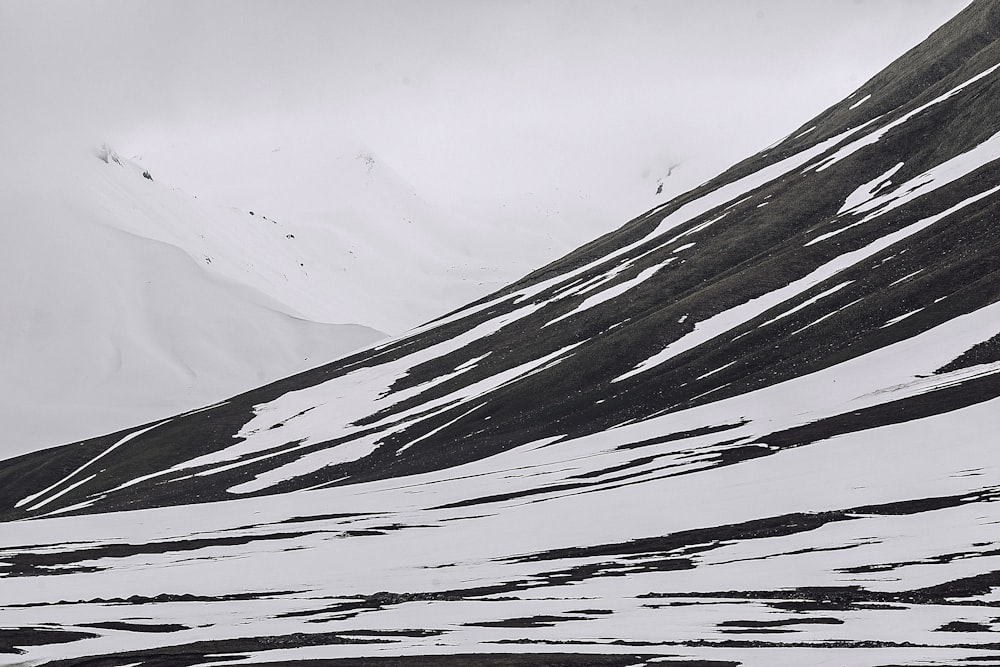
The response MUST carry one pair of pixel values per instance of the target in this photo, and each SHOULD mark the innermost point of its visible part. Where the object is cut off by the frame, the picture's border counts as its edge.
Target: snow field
(402, 539)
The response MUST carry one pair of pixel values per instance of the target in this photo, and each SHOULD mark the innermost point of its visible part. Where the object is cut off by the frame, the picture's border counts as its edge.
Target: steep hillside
(754, 426)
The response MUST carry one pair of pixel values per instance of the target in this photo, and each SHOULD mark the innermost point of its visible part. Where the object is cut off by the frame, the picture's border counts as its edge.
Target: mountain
(753, 426)
(352, 215)
(107, 250)
(133, 301)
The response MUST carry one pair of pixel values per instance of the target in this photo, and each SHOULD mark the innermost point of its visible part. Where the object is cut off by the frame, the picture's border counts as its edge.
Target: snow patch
(718, 324)
(860, 102)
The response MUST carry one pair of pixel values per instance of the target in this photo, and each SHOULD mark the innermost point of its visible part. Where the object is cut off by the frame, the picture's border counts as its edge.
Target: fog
(571, 106)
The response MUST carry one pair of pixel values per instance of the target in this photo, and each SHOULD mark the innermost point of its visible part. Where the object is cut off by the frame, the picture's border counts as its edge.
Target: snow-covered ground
(350, 241)
(128, 301)
(527, 550)
(756, 426)
(383, 255)
(860, 543)
(139, 297)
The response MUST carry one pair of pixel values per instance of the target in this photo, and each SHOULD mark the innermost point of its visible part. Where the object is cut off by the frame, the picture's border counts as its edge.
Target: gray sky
(470, 100)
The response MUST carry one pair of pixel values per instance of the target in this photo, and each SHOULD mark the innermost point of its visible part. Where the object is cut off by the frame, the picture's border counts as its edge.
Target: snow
(827, 316)
(323, 562)
(716, 325)
(715, 370)
(900, 318)
(937, 177)
(353, 215)
(722, 195)
(860, 102)
(611, 293)
(329, 411)
(948, 171)
(732, 190)
(808, 302)
(138, 294)
(89, 463)
(69, 488)
(867, 190)
(874, 137)
(905, 278)
(700, 227)
(118, 320)
(323, 427)
(479, 552)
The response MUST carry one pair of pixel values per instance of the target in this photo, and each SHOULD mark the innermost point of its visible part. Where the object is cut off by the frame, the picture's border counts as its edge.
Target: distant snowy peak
(136, 301)
(350, 215)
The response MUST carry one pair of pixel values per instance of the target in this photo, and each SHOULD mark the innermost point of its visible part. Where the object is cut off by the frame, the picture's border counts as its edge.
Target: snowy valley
(756, 425)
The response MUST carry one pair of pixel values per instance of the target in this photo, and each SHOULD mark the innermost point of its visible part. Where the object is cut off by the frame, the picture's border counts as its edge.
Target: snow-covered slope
(387, 257)
(126, 301)
(754, 426)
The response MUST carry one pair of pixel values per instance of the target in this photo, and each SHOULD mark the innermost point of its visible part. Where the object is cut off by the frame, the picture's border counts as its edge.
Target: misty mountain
(127, 300)
(755, 425)
(352, 215)
(138, 299)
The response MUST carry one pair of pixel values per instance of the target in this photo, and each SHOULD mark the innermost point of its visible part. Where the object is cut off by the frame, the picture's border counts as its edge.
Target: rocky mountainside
(753, 426)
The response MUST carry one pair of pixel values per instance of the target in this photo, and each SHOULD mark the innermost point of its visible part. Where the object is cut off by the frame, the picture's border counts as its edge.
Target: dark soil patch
(138, 627)
(964, 626)
(179, 657)
(11, 638)
(982, 353)
(29, 563)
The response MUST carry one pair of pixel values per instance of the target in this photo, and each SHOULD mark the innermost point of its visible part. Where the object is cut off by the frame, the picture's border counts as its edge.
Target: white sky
(573, 106)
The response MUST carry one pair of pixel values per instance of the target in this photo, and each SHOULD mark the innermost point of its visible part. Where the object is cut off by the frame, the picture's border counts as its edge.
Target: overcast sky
(472, 101)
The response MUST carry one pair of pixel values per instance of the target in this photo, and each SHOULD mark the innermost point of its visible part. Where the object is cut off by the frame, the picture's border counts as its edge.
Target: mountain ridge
(753, 426)
(747, 266)
(133, 303)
